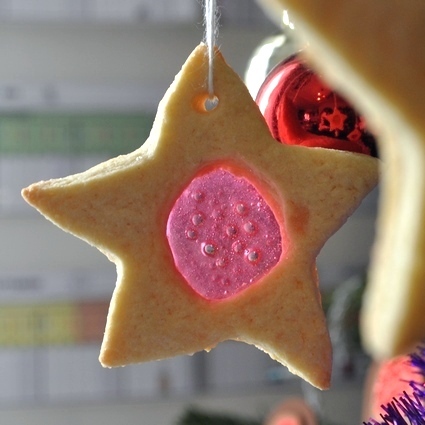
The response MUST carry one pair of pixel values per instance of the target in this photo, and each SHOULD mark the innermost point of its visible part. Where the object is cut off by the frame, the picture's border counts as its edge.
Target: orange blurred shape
(293, 411)
(390, 378)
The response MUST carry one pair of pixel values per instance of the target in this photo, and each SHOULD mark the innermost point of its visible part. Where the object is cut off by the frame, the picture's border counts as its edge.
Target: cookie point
(29, 194)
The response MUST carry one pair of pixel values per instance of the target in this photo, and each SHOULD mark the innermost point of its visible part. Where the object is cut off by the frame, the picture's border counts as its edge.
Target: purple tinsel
(407, 409)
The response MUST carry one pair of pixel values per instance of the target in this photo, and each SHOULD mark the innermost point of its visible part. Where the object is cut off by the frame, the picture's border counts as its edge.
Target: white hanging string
(210, 11)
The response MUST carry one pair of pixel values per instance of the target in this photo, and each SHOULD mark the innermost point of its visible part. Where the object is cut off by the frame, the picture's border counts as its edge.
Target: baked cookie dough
(131, 206)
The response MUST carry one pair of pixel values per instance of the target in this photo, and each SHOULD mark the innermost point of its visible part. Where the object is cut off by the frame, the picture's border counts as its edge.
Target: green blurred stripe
(112, 134)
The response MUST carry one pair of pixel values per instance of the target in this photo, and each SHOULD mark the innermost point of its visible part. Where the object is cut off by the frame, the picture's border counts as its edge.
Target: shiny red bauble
(300, 109)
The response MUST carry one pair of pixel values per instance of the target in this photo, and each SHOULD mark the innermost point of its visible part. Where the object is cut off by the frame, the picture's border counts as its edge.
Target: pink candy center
(223, 235)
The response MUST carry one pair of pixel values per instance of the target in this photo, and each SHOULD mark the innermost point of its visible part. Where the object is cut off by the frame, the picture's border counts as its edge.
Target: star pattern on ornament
(123, 205)
(333, 121)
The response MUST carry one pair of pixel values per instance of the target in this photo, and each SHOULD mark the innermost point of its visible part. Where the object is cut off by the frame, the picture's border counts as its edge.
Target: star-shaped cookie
(371, 51)
(127, 208)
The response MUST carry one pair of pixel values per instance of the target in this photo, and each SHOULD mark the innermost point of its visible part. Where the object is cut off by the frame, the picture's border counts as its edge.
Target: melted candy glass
(223, 235)
(302, 110)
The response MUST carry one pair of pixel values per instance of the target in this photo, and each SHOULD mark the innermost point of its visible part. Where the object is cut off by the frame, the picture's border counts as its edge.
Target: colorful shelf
(56, 323)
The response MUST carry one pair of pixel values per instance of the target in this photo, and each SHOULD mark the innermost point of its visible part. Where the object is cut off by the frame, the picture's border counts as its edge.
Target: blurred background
(80, 81)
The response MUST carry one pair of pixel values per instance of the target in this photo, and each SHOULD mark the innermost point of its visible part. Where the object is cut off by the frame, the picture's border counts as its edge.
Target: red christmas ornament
(302, 110)
(392, 379)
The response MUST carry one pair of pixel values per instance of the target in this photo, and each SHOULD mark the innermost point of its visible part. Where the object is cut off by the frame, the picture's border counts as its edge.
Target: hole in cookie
(211, 102)
(206, 102)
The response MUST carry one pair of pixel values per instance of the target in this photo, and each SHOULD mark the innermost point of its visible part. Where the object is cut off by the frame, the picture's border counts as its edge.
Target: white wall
(107, 55)
(343, 407)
